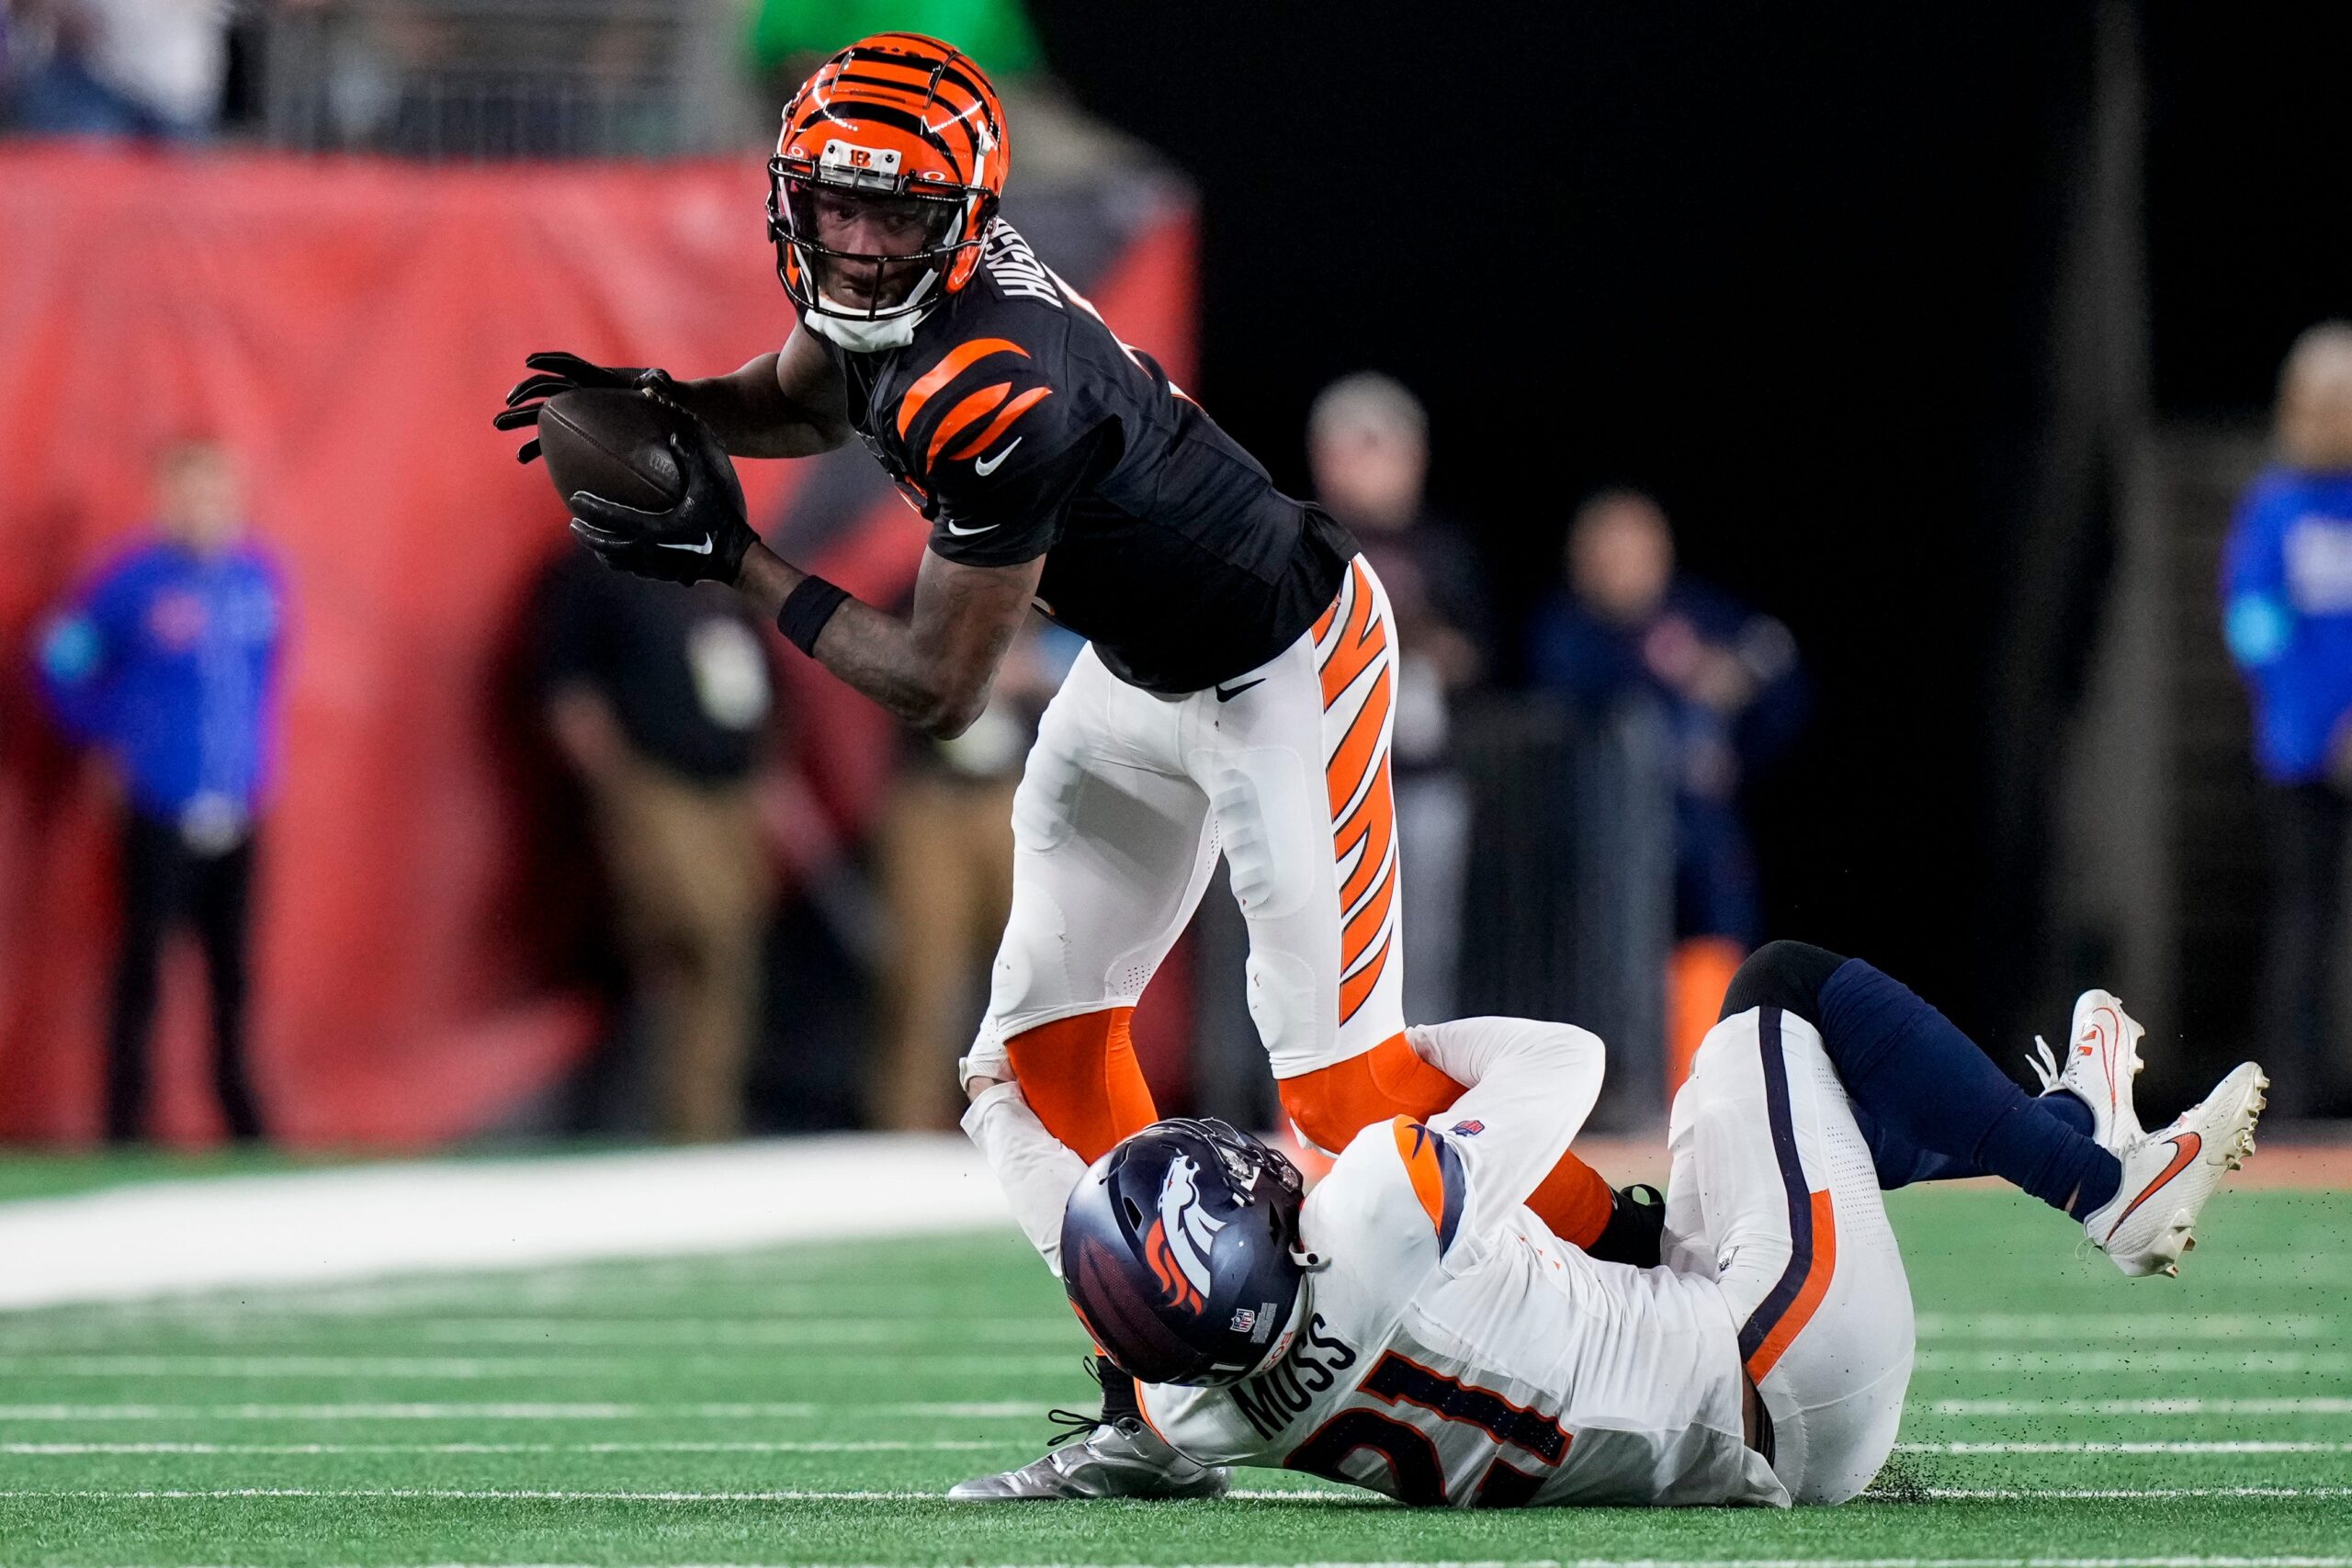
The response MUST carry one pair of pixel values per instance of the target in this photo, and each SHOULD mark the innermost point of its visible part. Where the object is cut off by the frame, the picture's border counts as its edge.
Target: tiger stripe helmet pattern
(898, 116)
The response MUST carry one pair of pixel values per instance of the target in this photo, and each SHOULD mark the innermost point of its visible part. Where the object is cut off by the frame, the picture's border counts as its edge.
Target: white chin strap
(859, 335)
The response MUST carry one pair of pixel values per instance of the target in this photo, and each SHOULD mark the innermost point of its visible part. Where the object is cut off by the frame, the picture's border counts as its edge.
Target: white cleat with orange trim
(2102, 1058)
(2168, 1175)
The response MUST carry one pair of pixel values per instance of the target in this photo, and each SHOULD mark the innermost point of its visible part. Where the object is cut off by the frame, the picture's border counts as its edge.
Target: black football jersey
(1021, 427)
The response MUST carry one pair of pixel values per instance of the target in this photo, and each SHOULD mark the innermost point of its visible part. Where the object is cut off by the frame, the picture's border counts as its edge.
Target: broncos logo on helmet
(1138, 1240)
(1177, 1246)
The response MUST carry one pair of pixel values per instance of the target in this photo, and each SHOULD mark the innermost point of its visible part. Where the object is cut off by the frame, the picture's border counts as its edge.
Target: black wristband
(806, 610)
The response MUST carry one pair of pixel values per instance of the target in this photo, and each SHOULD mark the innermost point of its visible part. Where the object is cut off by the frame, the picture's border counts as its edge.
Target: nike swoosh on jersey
(966, 533)
(2186, 1147)
(1226, 694)
(701, 549)
(984, 467)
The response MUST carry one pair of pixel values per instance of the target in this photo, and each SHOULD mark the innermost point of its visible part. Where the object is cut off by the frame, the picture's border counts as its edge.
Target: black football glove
(558, 372)
(700, 538)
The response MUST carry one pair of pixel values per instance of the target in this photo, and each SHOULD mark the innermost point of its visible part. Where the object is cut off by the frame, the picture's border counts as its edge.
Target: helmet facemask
(859, 242)
(885, 179)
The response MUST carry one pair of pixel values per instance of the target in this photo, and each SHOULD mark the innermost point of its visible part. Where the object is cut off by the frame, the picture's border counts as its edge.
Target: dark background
(1796, 278)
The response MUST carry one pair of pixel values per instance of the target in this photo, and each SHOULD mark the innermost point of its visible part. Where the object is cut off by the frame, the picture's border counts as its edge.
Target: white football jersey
(1490, 1367)
(1452, 1350)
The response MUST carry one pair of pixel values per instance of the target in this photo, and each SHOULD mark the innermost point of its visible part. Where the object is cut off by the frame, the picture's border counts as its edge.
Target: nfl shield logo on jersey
(1468, 1129)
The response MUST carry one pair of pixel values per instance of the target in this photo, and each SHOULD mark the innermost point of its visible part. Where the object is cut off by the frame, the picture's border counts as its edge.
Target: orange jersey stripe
(1373, 825)
(1815, 1286)
(1368, 920)
(1357, 985)
(1418, 1147)
(964, 414)
(1003, 422)
(1353, 761)
(951, 365)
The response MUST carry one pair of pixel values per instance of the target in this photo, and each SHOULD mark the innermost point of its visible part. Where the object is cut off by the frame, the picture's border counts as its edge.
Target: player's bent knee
(1784, 975)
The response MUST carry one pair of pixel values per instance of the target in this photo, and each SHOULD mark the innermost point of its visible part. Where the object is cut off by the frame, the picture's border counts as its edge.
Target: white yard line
(872, 1445)
(2045, 1362)
(309, 1226)
(897, 1336)
(2157, 1326)
(782, 1410)
(468, 1369)
(2120, 1494)
(2217, 1446)
(501, 1495)
(2178, 1562)
(2288, 1404)
(966, 1444)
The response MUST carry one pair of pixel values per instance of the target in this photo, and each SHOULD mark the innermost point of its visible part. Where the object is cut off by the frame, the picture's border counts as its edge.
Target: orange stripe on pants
(1080, 1076)
(1815, 1286)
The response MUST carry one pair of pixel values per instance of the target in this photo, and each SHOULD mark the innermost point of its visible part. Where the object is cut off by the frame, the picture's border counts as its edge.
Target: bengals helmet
(1180, 1251)
(908, 131)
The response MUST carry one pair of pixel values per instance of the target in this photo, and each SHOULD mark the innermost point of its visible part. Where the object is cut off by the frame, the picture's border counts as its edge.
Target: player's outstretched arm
(788, 404)
(934, 668)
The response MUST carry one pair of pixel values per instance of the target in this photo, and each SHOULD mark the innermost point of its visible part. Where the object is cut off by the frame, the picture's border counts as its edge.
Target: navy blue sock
(2068, 1108)
(1922, 1082)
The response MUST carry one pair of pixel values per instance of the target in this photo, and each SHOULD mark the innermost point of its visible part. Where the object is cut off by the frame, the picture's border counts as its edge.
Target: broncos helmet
(1180, 1252)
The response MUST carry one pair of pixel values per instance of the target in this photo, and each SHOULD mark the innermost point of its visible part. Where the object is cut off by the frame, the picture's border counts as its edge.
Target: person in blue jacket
(1624, 624)
(167, 662)
(2286, 608)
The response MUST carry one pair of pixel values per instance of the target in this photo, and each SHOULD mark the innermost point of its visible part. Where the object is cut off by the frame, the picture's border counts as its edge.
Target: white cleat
(2102, 1058)
(1120, 1459)
(2170, 1173)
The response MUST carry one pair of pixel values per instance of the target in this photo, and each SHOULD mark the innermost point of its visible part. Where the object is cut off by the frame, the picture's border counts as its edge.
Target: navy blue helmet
(1177, 1252)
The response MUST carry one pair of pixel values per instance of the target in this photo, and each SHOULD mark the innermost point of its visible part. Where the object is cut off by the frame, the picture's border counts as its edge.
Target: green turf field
(805, 1406)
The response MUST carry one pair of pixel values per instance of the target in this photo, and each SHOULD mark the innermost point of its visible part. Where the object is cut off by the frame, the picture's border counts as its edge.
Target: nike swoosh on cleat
(984, 467)
(1226, 694)
(2186, 1146)
(701, 549)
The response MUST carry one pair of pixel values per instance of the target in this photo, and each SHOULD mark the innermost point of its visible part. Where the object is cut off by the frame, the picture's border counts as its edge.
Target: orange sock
(1697, 973)
(1574, 1201)
(1332, 1105)
(1080, 1076)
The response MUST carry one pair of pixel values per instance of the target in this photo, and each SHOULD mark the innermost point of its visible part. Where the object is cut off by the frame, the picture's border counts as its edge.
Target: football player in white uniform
(1414, 1327)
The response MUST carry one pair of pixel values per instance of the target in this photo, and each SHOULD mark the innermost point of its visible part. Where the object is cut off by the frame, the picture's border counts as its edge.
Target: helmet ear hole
(1135, 1213)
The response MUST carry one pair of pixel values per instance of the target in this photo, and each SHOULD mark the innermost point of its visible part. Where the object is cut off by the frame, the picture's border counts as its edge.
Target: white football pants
(1773, 1195)
(1127, 799)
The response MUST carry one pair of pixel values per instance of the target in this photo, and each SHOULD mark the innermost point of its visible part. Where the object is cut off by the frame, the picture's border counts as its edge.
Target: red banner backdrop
(347, 327)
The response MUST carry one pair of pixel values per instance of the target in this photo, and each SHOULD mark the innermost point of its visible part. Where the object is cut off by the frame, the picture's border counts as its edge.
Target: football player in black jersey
(1235, 698)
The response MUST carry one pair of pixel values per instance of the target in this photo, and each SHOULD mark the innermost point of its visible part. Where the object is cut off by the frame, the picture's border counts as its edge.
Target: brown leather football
(614, 443)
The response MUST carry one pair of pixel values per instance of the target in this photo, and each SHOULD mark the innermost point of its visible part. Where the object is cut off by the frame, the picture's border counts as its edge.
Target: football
(615, 444)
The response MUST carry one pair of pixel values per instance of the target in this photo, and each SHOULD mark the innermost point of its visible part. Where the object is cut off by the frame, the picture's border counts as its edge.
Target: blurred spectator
(168, 663)
(1368, 444)
(658, 700)
(1725, 677)
(945, 859)
(138, 68)
(2287, 586)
